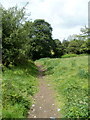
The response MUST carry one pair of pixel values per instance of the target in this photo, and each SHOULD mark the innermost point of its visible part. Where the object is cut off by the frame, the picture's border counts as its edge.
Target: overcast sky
(65, 16)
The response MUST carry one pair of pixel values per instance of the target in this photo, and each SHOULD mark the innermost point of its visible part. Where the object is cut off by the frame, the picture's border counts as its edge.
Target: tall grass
(18, 86)
(69, 76)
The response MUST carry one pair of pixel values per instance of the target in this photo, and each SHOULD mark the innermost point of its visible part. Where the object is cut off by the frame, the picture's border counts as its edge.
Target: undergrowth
(18, 86)
(69, 76)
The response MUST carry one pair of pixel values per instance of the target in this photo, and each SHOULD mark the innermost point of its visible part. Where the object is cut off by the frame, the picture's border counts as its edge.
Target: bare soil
(45, 106)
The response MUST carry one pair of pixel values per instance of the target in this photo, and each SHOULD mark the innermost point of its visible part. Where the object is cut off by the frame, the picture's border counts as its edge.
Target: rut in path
(44, 106)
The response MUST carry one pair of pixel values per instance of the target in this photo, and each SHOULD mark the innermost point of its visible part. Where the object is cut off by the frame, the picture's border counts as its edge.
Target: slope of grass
(69, 76)
(18, 86)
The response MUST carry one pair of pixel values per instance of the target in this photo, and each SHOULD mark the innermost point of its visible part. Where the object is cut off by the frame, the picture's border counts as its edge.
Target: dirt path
(44, 106)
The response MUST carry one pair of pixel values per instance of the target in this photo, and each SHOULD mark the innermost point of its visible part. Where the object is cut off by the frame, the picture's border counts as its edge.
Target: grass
(18, 86)
(69, 77)
(69, 55)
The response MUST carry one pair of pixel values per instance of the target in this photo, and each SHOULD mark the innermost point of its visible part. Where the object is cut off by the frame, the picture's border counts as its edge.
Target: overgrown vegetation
(69, 77)
(18, 86)
(24, 40)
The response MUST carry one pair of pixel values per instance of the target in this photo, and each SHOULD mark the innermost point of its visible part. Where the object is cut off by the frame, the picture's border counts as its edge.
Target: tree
(86, 35)
(58, 51)
(65, 44)
(73, 47)
(13, 35)
(78, 43)
(41, 43)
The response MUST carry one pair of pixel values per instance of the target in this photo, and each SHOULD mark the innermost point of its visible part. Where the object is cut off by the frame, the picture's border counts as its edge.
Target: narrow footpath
(44, 106)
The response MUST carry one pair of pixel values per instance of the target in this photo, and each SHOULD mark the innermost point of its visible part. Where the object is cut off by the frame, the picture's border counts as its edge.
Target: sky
(66, 17)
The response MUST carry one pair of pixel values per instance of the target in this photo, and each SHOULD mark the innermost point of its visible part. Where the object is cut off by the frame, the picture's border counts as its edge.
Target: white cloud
(64, 33)
(65, 16)
(10, 3)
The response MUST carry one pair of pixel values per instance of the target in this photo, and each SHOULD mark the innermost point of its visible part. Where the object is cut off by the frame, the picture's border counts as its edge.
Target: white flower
(33, 105)
(34, 116)
(58, 109)
(52, 118)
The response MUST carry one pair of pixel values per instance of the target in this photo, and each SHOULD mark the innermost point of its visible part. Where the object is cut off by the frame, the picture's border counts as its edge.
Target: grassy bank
(69, 77)
(18, 86)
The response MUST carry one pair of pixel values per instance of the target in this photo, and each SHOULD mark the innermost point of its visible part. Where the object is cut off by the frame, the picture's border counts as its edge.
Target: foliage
(41, 41)
(65, 44)
(69, 55)
(58, 51)
(14, 36)
(18, 86)
(23, 39)
(69, 77)
(77, 44)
